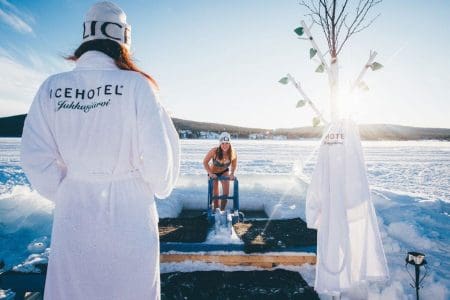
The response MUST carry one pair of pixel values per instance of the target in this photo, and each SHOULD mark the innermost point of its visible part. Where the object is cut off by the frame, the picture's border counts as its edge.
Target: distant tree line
(12, 127)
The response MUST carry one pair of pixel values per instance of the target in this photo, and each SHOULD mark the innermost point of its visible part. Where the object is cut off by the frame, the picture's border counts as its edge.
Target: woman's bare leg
(215, 194)
(225, 192)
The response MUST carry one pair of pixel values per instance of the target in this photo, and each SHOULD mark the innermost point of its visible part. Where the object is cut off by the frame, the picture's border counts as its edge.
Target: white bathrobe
(338, 205)
(98, 143)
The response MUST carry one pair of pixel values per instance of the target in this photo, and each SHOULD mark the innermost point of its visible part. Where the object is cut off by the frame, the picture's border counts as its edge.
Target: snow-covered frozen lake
(410, 184)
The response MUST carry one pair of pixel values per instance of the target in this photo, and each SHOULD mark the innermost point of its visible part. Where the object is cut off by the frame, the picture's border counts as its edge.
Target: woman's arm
(206, 160)
(233, 165)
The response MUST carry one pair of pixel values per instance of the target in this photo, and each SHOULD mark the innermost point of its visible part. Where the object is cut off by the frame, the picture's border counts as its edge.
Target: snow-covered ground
(410, 184)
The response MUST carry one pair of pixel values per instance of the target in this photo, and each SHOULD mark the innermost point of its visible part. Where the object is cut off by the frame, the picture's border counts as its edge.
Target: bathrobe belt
(102, 176)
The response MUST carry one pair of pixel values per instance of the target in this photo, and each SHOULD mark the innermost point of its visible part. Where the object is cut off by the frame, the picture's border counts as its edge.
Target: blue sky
(220, 61)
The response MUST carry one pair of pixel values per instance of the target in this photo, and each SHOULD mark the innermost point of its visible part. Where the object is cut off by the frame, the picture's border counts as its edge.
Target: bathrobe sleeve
(39, 155)
(158, 143)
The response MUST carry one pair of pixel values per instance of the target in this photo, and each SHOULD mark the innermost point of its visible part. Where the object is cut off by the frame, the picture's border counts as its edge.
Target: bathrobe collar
(95, 60)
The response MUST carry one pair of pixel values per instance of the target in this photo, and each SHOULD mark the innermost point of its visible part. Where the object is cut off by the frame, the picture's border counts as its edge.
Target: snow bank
(24, 216)
(277, 195)
(410, 223)
(410, 191)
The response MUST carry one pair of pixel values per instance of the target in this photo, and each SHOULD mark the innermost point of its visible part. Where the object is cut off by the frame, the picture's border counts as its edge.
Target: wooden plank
(263, 261)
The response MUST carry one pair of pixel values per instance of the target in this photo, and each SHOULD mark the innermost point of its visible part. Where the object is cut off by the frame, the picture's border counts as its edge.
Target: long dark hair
(116, 51)
(219, 152)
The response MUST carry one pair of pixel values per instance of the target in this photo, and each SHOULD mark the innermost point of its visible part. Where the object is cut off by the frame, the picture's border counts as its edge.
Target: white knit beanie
(105, 20)
(224, 138)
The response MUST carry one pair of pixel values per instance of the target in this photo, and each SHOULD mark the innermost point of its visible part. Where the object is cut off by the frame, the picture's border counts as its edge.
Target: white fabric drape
(338, 205)
(97, 142)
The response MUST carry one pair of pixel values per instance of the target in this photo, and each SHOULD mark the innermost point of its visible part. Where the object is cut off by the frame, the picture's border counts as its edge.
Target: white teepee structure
(338, 203)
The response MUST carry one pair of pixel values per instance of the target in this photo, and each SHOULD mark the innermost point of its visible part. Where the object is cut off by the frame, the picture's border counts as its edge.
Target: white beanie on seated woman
(105, 20)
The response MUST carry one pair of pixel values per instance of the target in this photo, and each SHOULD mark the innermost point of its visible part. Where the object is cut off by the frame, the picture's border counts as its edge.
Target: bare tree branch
(339, 28)
(368, 24)
(337, 24)
(342, 12)
(314, 14)
(358, 23)
(318, 16)
(325, 6)
(326, 28)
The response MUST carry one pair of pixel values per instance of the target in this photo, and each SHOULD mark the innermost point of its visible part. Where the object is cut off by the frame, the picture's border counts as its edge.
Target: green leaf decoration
(363, 86)
(320, 68)
(315, 121)
(284, 80)
(299, 31)
(301, 103)
(376, 66)
(312, 52)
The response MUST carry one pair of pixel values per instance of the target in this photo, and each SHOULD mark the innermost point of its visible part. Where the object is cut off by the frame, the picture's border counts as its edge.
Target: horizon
(281, 128)
(221, 62)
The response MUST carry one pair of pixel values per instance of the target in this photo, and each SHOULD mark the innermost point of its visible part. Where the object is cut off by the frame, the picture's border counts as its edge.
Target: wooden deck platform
(254, 260)
(234, 255)
(264, 243)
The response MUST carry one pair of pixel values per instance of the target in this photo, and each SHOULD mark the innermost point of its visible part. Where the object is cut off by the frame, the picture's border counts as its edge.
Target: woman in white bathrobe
(97, 142)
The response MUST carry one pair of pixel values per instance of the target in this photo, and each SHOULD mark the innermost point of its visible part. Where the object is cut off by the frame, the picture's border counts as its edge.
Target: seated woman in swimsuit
(224, 163)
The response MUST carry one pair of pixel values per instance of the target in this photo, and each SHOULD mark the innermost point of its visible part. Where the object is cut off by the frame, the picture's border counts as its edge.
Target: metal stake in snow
(417, 260)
